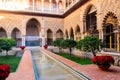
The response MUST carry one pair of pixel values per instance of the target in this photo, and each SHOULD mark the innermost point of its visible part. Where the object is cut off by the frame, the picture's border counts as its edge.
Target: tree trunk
(70, 50)
(6, 53)
(94, 54)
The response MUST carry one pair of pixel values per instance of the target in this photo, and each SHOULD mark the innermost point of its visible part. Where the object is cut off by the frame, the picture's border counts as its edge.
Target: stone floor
(25, 69)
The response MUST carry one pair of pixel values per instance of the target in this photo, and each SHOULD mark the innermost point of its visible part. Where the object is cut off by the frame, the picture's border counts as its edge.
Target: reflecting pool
(48, 68)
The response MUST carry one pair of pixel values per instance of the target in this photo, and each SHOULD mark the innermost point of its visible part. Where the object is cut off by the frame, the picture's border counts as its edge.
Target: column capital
(98, 14)
(100, 29)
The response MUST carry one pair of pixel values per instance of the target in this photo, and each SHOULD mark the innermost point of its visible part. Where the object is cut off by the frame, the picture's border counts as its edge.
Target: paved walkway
(25, 69)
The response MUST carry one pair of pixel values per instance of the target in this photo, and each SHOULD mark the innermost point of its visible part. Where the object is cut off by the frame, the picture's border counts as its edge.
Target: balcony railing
(35, 8)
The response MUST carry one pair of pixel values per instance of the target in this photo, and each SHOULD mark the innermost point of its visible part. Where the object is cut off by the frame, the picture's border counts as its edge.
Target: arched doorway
(77, 32)
(49, 37)
(71, 33)
(16, 34)
(90, 21)
(3, 33)
(32, 33)
(110, 31)
(59, 34)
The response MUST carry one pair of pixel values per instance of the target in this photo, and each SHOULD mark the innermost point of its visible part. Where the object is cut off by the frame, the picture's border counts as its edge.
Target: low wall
(74, 51)
(77, 52)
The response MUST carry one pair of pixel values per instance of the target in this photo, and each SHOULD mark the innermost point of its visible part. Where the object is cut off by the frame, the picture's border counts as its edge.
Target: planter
(104, 68)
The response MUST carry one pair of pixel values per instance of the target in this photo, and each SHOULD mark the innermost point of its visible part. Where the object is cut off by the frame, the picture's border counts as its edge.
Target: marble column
(50, 5)
(100, 33)
(42, 5)
(57, 5)
(23, 40)
(118, 41)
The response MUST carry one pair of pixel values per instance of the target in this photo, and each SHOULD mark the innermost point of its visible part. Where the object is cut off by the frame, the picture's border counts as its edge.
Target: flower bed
(4, 71)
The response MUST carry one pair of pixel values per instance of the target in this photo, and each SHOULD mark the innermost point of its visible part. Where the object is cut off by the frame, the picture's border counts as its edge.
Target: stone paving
(25, 69)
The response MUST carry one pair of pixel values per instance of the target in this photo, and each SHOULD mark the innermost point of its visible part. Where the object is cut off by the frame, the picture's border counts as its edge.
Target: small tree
(57, 43)
(6, 44)
(11, 41)
(68, 43)
(90, 43)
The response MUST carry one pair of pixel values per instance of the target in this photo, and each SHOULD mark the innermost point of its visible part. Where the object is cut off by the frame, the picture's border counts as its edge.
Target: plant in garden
(45, 46)
(7, 44)
(11, 41)
(4, 71)
(57, 43)
(90, 43)
(103, 62)
(4, 45)
(68, 43)
(22, 47)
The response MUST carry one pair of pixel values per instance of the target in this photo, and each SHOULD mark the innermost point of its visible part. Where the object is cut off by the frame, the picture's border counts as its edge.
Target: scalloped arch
(115, 22)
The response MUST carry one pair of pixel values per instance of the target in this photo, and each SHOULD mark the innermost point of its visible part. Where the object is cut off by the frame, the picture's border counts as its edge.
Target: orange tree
(68, 43)
(90, 43)
(57, 43)
(6, 44)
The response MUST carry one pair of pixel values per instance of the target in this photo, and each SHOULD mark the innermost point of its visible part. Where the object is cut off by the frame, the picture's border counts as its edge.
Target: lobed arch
(110, 17)
(17, 36)
(90, 20)
(71, 32)
(33, 29)
(59, 34)
(86, 11)
(33, 25)
(49, 37)
(77, 30)
(14, 30)
(3, 32)
(110, 29)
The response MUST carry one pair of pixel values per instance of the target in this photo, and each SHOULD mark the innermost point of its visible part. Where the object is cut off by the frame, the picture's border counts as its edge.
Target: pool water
(48, 69)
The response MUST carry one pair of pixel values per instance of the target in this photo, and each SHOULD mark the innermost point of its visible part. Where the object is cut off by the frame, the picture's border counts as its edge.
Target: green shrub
(90, 43)
(68, 43)
(57, 43)
(6, 44)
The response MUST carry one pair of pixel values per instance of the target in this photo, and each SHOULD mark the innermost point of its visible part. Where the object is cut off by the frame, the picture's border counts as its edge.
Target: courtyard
(36, 24)
(25, 70)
